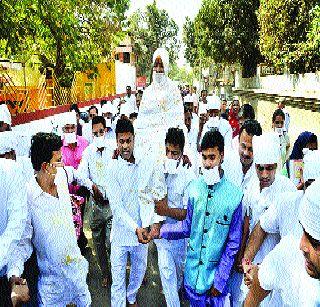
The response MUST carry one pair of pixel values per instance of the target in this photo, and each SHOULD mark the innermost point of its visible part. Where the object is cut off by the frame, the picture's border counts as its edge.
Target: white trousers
(171, 260)
(138, 259)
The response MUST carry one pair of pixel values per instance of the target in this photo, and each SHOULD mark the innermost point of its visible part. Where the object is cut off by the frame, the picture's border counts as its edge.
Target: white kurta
(172, 253)
(63, 270)
(13, 217)
(283, 269)
(282, 216)
(256, 203)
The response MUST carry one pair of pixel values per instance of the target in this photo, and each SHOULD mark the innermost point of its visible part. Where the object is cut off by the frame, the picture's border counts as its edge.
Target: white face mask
(170, 166)
(108, 122)
(60, 177)
(279, 131)
(211, 176)
(70, 138)
(158, 77)
(99, 141)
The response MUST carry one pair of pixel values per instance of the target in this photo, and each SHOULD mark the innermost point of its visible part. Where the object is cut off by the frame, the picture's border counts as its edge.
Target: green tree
(150, 29)
(69, 36)
(181, 74)
(289, 32)
(189, 39)
(227, 32)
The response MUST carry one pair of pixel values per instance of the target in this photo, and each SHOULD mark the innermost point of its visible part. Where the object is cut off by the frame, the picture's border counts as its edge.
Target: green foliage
(69, 35)
(181, 74)
(149, 30)
(225, 31)
(289, 33)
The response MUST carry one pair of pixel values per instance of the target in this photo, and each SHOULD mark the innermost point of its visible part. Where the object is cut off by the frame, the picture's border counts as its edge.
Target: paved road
(149, 295)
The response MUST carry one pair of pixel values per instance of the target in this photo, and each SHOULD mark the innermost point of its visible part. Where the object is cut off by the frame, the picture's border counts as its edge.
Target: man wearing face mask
(87, 127)
(63, 270)
(72, 150)
(93, 174)
(264, 190)
(213, 224)
(282, 215)
(161, 108)
(108, 112)
(293, 267)
(278, 120)
(134, 186)
(215, 122)
(171, 254)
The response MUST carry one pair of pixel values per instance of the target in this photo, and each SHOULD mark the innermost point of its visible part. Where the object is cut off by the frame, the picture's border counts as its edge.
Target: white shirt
(287, 119)
(54, 238)
(282, 216)
(223, 127)
(132, 189)
(131, 101)
(13, 216)
(283, 269)
(256, 202)
(94, 165)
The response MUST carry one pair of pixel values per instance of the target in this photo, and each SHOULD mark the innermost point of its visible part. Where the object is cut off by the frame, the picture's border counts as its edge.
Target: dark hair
(175, 136)
(99, 120)
(252, 127)
(204, 91)
(132, 115)
(93, 107)
(42, 146)
(128, 87)
(103, 101)
(301, 142)
(247, 112)
(276, 113)
(123, 126)
(74, 107)
(212, 139)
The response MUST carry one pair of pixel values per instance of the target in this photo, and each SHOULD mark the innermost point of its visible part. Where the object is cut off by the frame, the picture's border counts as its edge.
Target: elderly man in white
(292, 268)
(282, 215)
(13, 219)
(265, 188)
(161, 108)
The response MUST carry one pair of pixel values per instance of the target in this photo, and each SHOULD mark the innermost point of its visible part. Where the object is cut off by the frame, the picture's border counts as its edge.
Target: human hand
(143, 235)
(116, 154)
(19, 291)
(214, 292)
(155, 231)
(248, 272)
(186, 161)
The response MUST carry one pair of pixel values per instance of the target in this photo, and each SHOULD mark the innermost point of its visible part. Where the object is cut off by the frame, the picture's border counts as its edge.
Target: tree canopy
(150, 29)
(68, 35)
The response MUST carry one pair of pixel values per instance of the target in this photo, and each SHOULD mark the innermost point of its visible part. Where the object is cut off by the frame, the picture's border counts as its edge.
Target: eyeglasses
(98, 133)
(277, 122)
(269, 168)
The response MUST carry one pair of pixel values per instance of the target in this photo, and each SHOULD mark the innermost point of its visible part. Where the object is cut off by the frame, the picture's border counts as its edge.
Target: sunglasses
(269, 168)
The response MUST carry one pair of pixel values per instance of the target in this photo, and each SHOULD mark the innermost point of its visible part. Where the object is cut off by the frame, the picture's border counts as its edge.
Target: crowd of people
(233, 211)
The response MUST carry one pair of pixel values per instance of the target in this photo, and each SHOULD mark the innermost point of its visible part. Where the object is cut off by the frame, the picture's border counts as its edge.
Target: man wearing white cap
(161, 108)
(13, 219)
(93, 174)
(292, 268)
(265, 188)
(215, 123)
(5, 118)
(282, 215)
